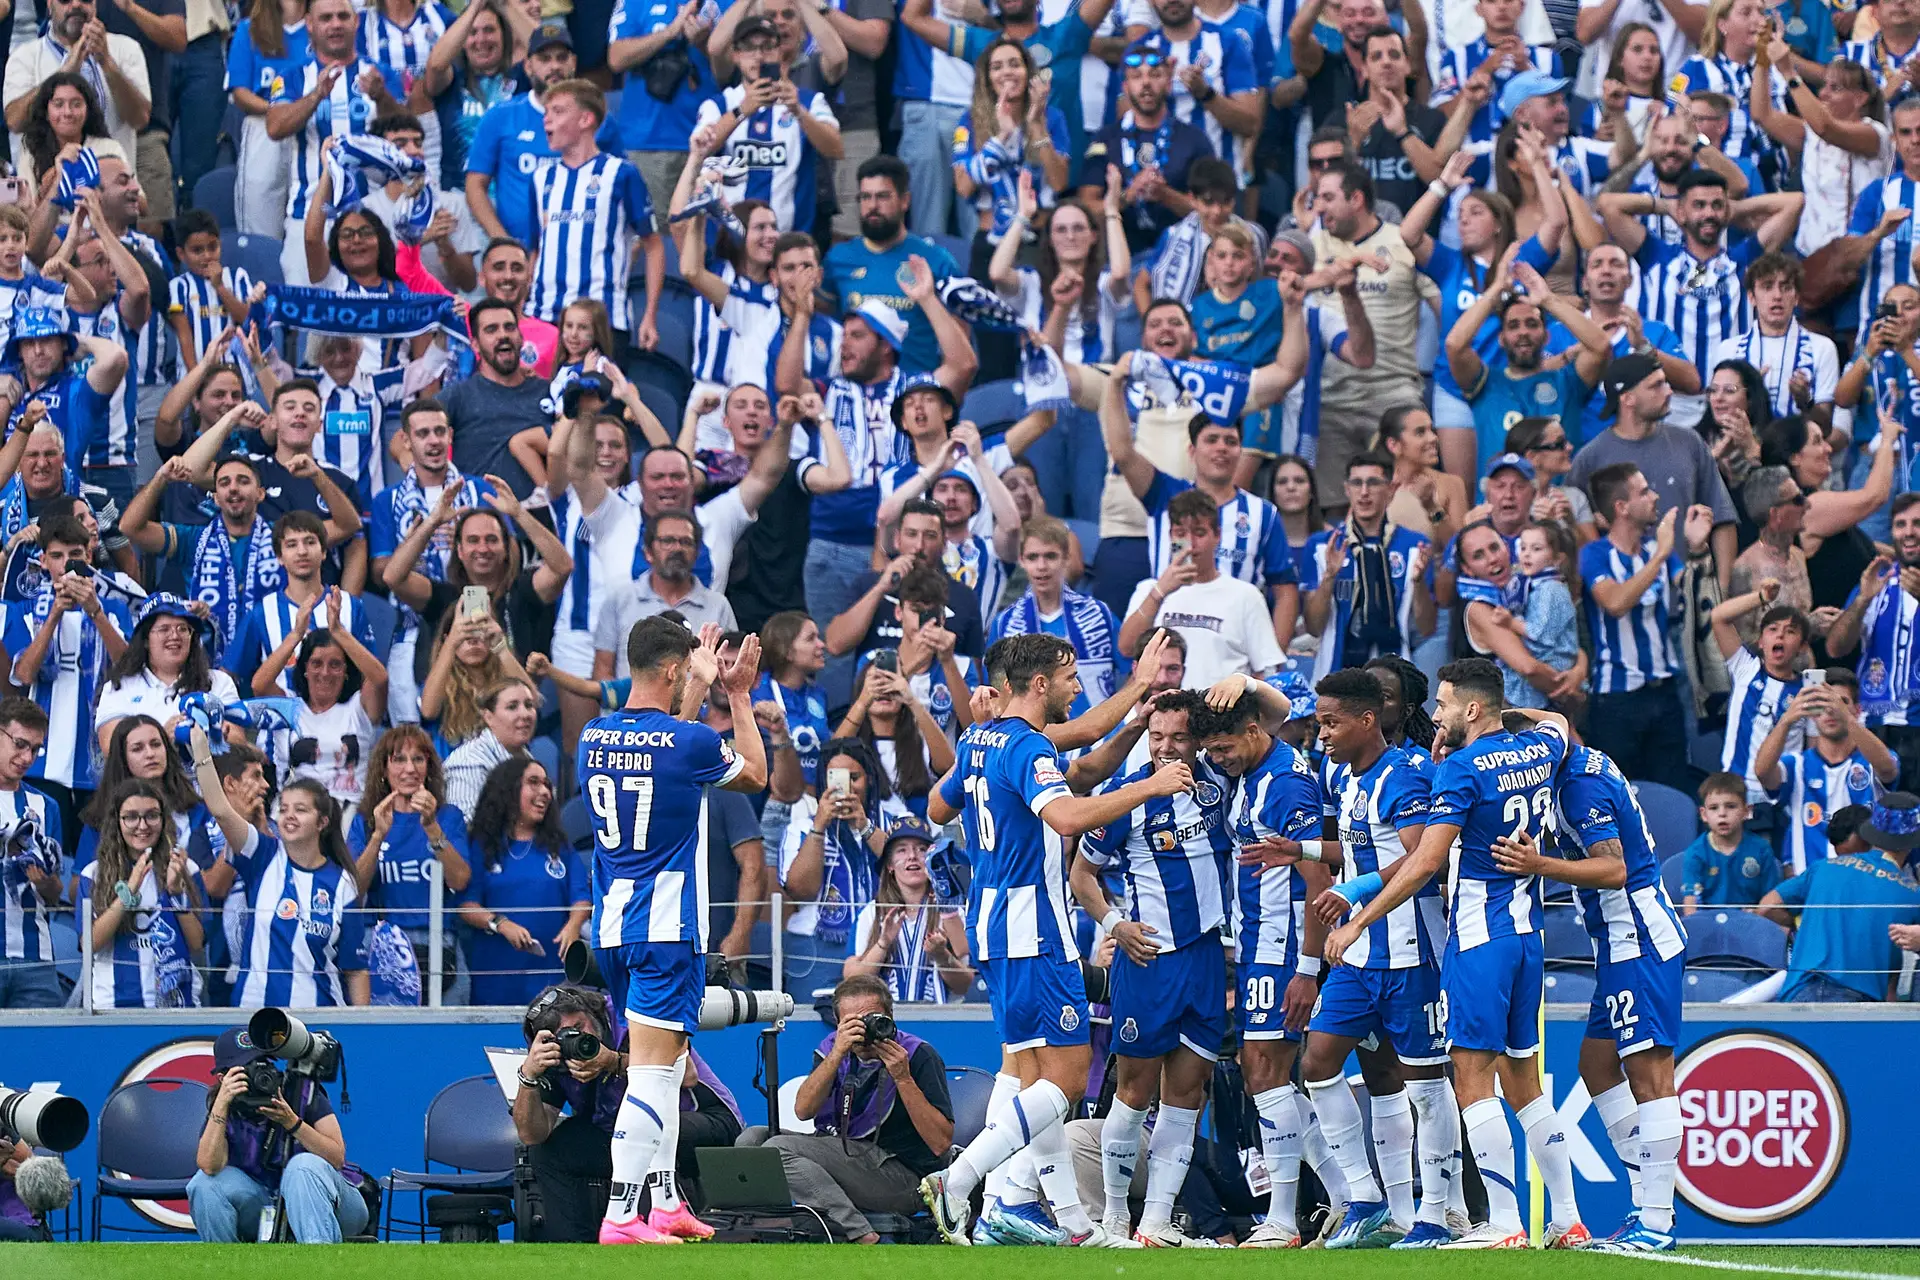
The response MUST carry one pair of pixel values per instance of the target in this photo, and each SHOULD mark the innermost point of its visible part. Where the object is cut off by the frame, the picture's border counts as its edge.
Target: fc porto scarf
(396, 315)
(215, 581)
(1217, 388)
(1043, 376)
(1889, 673)
(76, 175)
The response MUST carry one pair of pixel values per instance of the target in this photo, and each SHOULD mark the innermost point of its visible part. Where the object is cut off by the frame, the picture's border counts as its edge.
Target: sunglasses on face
(1144, 60)
(1550, 446)
(1318, 163)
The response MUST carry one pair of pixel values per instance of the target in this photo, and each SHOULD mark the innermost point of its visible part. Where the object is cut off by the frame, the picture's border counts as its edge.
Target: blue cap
(172, 606)
(921, 382)
(910, 826)
(235, 1048)
(1895, 825)
(1531, 83)
(959, 475)
(1513, 461)
(39, 322)
(1303, 701)
(1152, 42)
(885, 321)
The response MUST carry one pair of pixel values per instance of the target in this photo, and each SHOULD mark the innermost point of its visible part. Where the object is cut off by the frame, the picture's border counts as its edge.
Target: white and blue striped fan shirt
(1753, 706)
(730, 344)
(159, 349)
(1633, 649)
(301, 930)
(127, 975)
(199, 302)
(780, 162)
(1253, 543)
(352, 439)
(586, 220)
(271, 621)
(25, 919)
(345, 111)
(1810, 792)
(1889, 262)
(607, 554)
(122, 443)
(1703, 302)
(1173, 853)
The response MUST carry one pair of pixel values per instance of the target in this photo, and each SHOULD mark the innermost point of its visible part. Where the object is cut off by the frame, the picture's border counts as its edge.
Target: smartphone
(473, 602)
(839, 782)
(1179, 548)
(1886, 311)
(887, 660)
(930, 617)
(11, 191)
(1815, 677)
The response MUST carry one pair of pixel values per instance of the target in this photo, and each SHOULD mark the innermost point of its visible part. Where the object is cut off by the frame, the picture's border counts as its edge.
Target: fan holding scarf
(1366, 586)
(1880, 617)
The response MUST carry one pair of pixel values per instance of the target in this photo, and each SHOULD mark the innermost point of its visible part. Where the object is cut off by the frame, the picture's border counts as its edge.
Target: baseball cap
(1299, 240)
(1510, 460)
(235, 1048)
(754, 28)
(959, 475)
(1624, 375)
(885, 321)
(550, 33)
(920, 382)
(1531, 83)
(1151, 43)
(912, 827)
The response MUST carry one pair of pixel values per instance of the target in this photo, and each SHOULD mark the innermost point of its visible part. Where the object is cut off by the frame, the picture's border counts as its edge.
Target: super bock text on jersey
(644, 775)
(1278, 797)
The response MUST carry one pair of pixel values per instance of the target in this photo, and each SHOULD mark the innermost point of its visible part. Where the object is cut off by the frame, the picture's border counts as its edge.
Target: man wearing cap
(770, 130)
(1674, 460)
(77, 400)
(1152, 148)
(656, 119)
(1849, 906)
(1520, 381)
(871, 267)
(1495, 57)
(291, 1144)
(1535, 100)
(512, 141)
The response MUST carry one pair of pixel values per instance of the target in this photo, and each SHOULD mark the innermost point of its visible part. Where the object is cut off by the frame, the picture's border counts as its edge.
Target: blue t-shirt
(1846, 905)
(1500, 401)
(405, 860)
(1737, 879)
(534, 889)
(1246, 330)
(1461, 281)
(855, 273)
(646, 123)
(248, 68)
(81, 413)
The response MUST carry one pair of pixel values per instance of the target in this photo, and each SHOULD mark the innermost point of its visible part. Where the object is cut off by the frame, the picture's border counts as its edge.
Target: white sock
(1169, 1152)
(651, 1093)
(1547, 1141)
(1019, 1181)
(1282, 1133)
(1621, 1114)
(1345, 1133)
(1054, 1165)
(663, 1187)
(1004, 1087)
(1659, 1160)
(1313, 1148)
(1009, 1129)
(1493, 1152)
(1439, 1136)
(1119, 1154)
(1393, 1151)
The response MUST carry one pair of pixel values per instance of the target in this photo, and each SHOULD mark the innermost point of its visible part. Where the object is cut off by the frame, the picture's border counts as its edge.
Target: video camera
(42, 1118)
(313, 1054)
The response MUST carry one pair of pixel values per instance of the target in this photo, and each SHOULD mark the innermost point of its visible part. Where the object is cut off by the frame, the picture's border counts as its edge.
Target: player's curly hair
(1416, 726)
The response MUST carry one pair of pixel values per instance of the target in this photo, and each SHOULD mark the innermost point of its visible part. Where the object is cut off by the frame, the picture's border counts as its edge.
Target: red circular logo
(1765, 1127)
(190, 1058)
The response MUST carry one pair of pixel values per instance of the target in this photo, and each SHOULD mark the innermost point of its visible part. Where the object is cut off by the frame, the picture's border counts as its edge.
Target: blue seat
(1673, 817)
(214, 193)
(149, 1137)
(1726, 938)
(259, 255)
(1088, 531)
(575, 822)
(994, 406)
(1570, 986)
(1703, 752)
(469, 1131)
(382, 620)
(66, 950)
(969, 1089)
(547, 751)
(959, 250)
(1566, 939)
(1670, 869)
(1710, 986)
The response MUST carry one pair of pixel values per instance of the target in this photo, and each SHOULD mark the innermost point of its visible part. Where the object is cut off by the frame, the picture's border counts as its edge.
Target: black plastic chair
(469, 1130)
(149, 1136)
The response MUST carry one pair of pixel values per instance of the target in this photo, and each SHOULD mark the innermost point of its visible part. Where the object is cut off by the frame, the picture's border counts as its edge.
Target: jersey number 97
(604, 798)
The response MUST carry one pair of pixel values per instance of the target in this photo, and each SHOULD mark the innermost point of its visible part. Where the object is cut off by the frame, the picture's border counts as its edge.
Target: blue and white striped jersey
(1703, 302)
(159, 352)
(1631, 650)
(270, 621)
(1372, 808)
(1300, 410)
(975, 566)
(645, 775)
(1005, 776)
(30, 290)
(1889, 262)
(1496, 785)
(1753, 706)
(24, 918)
(1457, 66)
(1883, 64)
(1403, 547)
(119, 445)
(1278, 797)
(402, 49)
(149, 965)
(1811, 791)
(585, 221)
(301, 929)
(1721, 74)
(353, 436)
(67, 685)
(1083, 622)
(1228, 59)
(1174, 853)
(606, 551)
(345, 111)
(780, 161)
(730, 345)
(190, 296)
(862, 414)
(1596, 803)
(1253, 543)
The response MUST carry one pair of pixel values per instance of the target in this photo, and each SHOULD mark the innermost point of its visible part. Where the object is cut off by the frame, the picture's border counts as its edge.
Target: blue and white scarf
(1481, 591)
(362, 315)
(1889, 672)
(1042, 374)
(360, 163)
(712, 200)
(1182, 255)
(1217, 388)
(228, 595)
(77, 175)
(13, 502)
(411, 507)
(1087, 631)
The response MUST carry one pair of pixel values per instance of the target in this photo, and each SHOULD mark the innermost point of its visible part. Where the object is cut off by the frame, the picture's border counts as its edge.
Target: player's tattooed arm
(1604, 867)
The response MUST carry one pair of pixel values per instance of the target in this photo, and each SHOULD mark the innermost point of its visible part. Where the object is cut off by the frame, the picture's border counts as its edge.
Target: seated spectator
(830, 862)
(146, 901)
(881, 1116)
(1363, 585)
(906, 936)
(1765, 676)
(1843, 763)
(165, 659)
(289, 1146)
(508, 712)
(403, 824)
(1849, 905)
(1726, 865)
(63, 117)
(529, 896)
(900, 729)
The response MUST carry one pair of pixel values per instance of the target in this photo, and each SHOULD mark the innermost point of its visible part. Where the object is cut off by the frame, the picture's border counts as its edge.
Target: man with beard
(871, 267)
(1694, 287)
(1214, 87)
(1608, 277)
(1879, 616)
(1775, 502)
(506, 275)
(501, 399)
(671, 540)
(1334, 79)
(1880, 236)
(1151, 147)
(1800, 369)
(1843, 763)
(512, 141)
(1668, 155)
(1535, 101)
(1521, 381)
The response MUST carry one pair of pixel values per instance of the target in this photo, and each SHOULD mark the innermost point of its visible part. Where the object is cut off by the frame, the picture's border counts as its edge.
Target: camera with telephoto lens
(42, 1118)
(577, 1045)
(721, 1006)
(877, 1027)
(313, 1054)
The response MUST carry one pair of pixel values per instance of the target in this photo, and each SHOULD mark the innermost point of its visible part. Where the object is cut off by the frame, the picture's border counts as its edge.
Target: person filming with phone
(1223, 620)
(830, 861)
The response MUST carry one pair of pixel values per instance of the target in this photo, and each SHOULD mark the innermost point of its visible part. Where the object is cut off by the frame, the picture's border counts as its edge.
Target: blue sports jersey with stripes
(196, 299)
(67, 685)
(585, 220)
(1811, 791)
(25, 919)
(149, 965)
(508, 148)
(271, 620)
(1005, 776)
(1457, 66)
(1595, 804)
(644, 775)
(1633, 649)
(1372, 808)
(1890, 262)
(1227, 57)
(1498, 784)
(1253, 543)
(343, 112)
(1721, 74)
(730, 344)
(301, 929)
(779, 160)
(606, 551)
(1278, 797)
(352, 439)
(1703, 302)
(1174, 853)
(1754, 704)
(119, 445)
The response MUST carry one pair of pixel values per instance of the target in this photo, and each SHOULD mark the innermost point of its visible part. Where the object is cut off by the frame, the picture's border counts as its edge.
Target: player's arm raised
(1073, 815)
(1098, 722)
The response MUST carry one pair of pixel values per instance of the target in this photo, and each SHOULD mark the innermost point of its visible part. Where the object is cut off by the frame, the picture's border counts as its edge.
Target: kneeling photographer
(882, 1119)
(574, 1064)
(270, 1130)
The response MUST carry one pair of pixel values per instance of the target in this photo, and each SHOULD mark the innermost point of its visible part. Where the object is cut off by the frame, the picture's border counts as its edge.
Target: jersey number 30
(605, 801)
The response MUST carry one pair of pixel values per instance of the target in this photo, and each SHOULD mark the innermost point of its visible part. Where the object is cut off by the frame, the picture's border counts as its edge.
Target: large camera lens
(41, 1118)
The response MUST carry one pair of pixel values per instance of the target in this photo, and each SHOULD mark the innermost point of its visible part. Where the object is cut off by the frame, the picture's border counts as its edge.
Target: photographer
(572, 1156)
(287, 1140)
(881, 1116)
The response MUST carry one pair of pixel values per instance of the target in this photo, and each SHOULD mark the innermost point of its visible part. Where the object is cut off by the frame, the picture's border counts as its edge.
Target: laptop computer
(743, 1178)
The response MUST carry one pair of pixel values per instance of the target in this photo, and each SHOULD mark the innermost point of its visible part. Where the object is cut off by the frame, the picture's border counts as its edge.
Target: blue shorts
(1180, 998)
(1403, 1006)
(656, 984)
(1493, 994)
(1262, 989)
(1636, 1003)
(1037, 1000)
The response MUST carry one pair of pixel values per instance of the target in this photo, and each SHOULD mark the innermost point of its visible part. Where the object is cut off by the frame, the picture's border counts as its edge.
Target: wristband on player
(1361, 889)
(1311, 849)
(1307, 966)
(1112, 918)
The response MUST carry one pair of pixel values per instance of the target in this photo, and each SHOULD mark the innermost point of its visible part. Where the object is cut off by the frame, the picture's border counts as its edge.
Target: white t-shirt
(1674, 45)
(1833, 178)
(1226, 625)
(143, 694)
(722, 523)
(343, 738)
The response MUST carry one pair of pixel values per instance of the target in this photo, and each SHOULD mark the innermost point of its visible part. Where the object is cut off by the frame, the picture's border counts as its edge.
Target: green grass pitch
(187, 1261)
